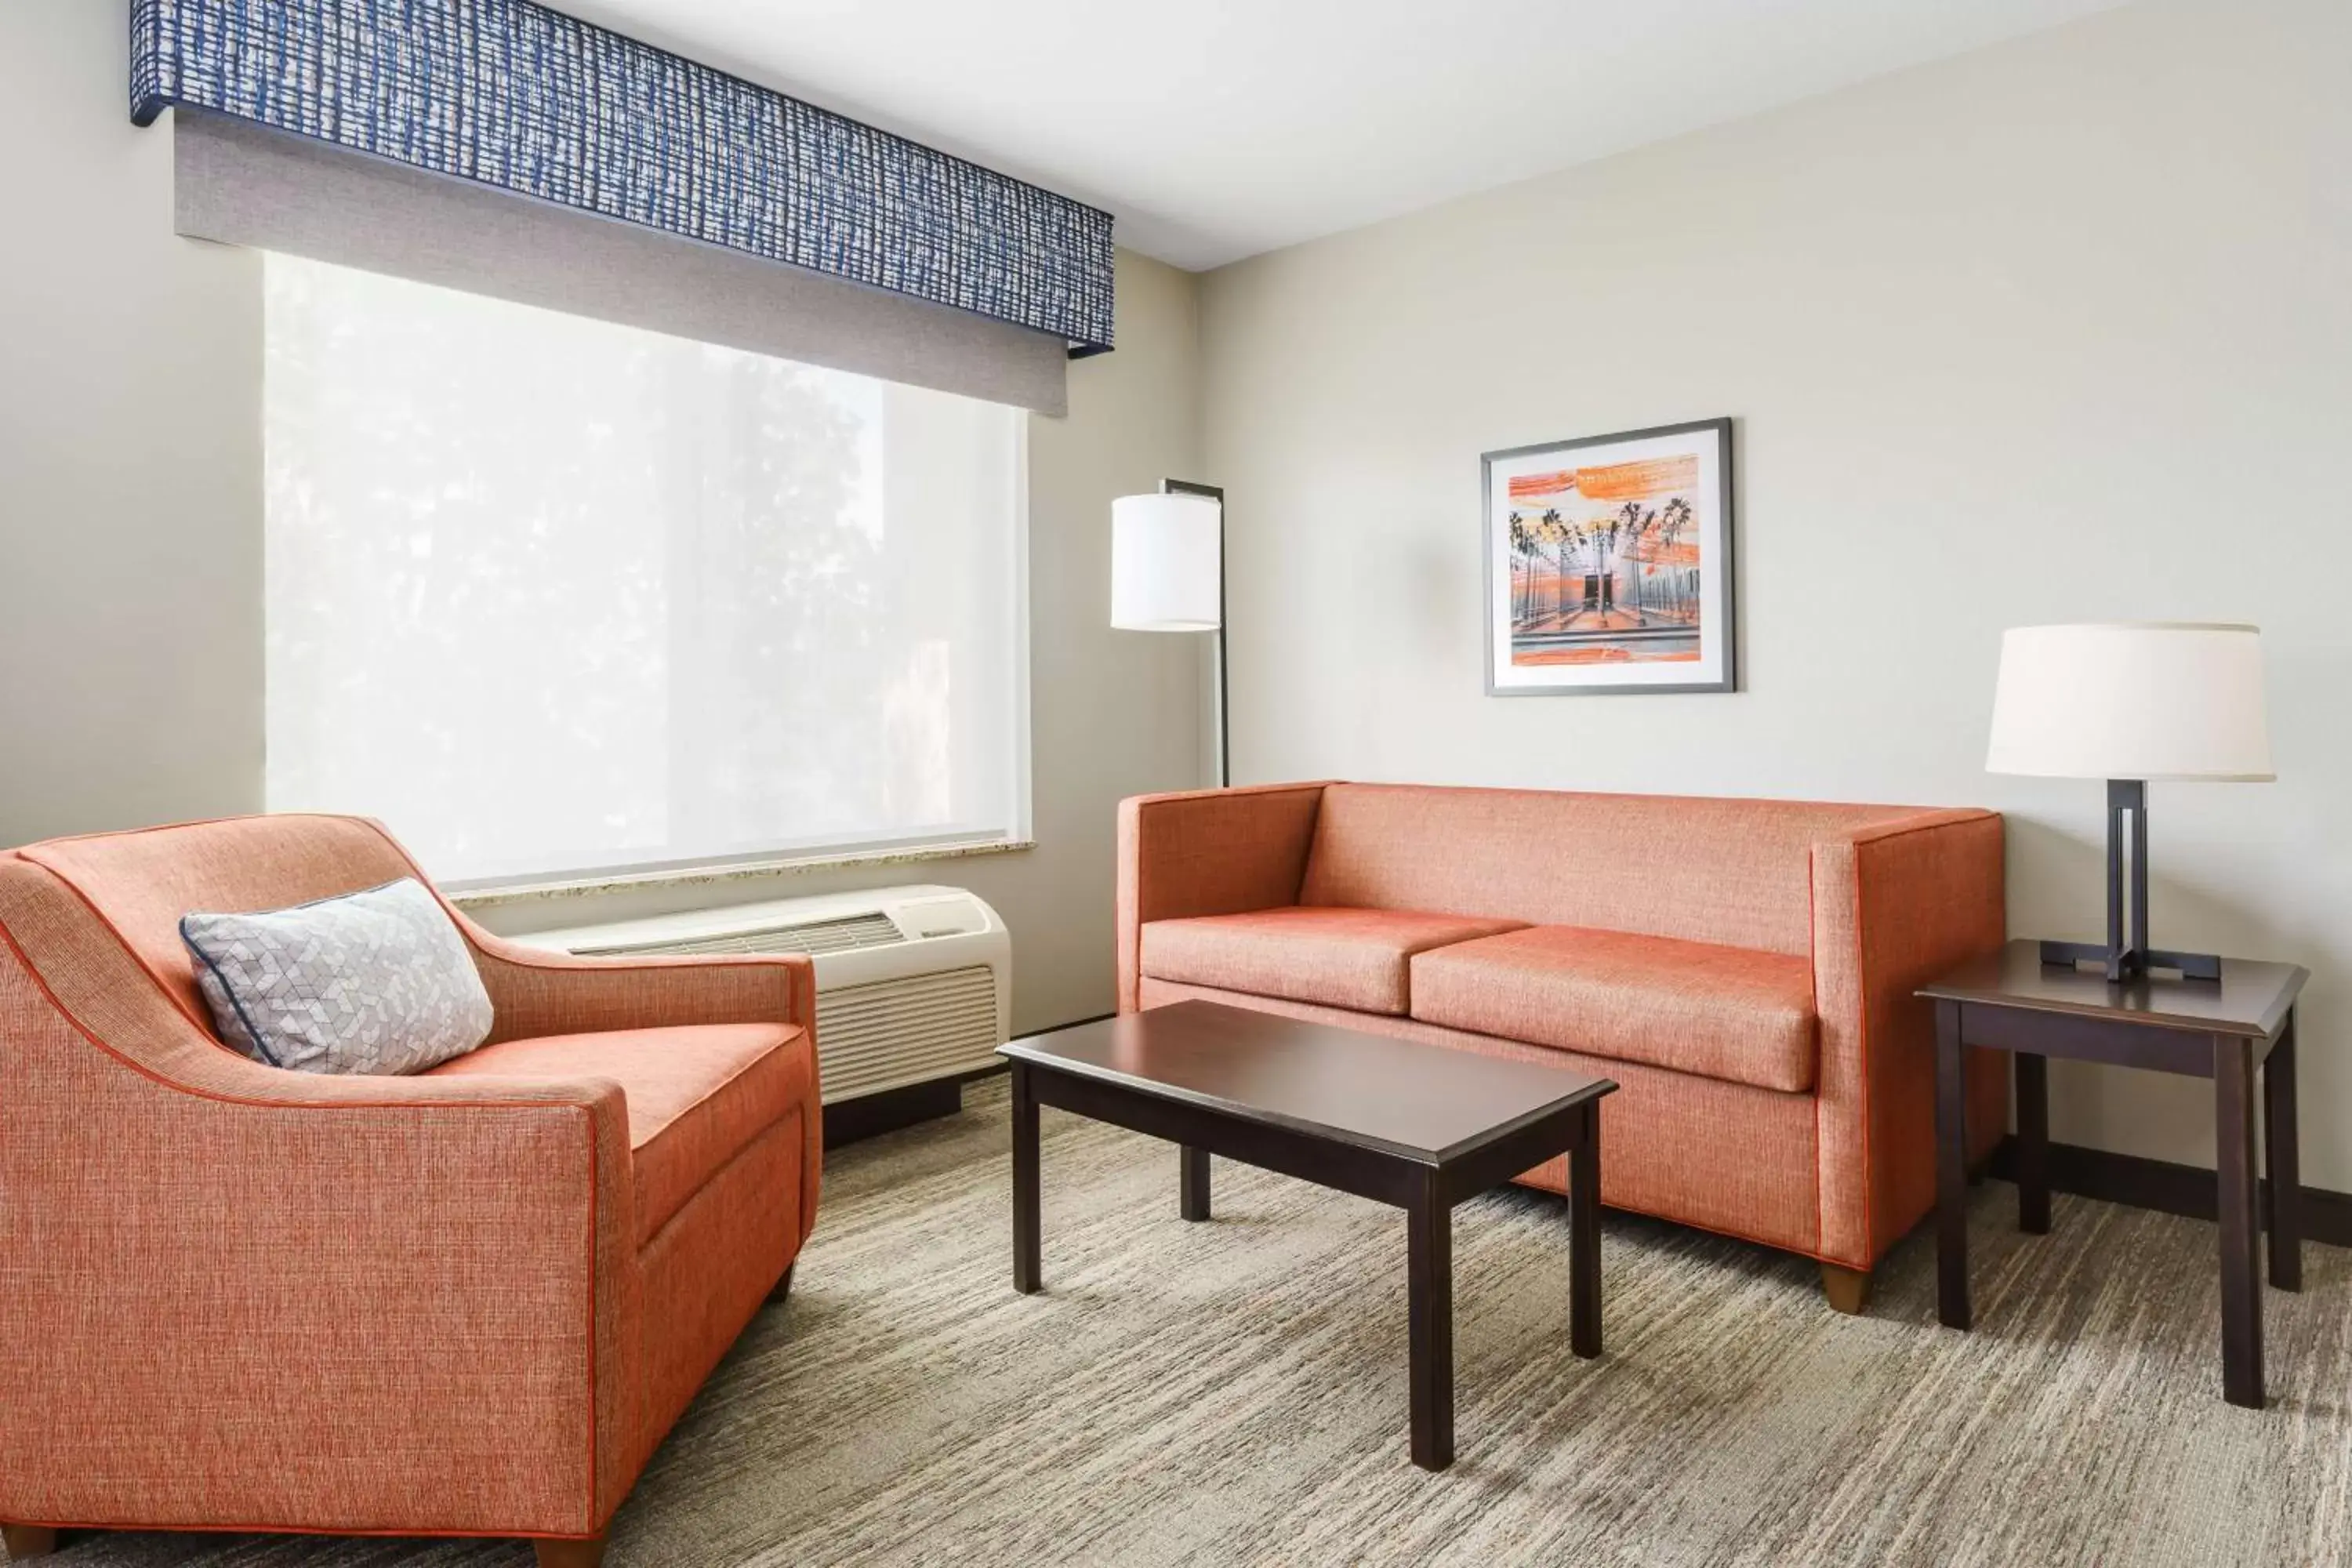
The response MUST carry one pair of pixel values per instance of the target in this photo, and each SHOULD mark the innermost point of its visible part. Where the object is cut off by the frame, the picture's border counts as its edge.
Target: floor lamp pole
(1224, 724)
(1224, 720)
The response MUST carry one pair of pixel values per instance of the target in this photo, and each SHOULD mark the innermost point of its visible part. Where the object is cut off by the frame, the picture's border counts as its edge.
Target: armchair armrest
(1893, 905)
(1207, 852)
(300, 1302)
(534, 992)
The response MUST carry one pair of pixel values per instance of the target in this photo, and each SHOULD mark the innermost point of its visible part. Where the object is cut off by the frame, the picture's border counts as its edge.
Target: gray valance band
(235, 182)
(511, 95)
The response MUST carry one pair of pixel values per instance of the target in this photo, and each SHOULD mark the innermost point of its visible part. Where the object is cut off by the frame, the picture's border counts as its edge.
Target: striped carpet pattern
(1235, 1392)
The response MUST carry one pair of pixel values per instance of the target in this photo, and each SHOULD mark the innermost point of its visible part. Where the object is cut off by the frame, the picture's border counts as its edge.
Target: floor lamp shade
(1167, 570)
(2169, 700)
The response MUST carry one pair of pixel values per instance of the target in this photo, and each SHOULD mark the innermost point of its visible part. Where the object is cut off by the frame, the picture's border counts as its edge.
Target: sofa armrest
(534, 992)
(1894, 904)
(1207, 852)
(230, 1294)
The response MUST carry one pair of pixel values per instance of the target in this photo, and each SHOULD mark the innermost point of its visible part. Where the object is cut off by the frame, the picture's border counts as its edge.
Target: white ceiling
(1218, 128)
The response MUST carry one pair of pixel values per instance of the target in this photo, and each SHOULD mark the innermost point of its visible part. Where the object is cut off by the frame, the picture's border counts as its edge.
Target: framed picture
(1609, 563)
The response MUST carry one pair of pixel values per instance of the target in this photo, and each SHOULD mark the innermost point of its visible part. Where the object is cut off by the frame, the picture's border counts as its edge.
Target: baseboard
(2167, 1187)
(1056, 1028)
(2131, 1180)
(870, 1115)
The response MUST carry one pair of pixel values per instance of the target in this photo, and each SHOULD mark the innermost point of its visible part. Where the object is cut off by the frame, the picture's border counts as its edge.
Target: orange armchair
(467, 1302)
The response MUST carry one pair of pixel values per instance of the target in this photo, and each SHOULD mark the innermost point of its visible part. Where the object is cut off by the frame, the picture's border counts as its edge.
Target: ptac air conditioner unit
(914, 985)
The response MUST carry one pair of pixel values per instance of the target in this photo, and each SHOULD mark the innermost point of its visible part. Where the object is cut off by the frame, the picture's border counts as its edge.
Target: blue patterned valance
(513, 95)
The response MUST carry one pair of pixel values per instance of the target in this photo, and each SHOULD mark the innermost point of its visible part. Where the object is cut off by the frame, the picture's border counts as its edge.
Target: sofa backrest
(1737, 872)
(140, 883)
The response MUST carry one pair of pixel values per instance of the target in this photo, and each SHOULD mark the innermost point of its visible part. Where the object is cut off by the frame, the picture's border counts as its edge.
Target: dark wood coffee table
(1418, 1126)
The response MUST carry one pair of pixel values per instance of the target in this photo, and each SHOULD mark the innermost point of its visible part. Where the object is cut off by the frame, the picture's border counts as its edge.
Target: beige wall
(131, 530)
(2056, 331)
(130, 457)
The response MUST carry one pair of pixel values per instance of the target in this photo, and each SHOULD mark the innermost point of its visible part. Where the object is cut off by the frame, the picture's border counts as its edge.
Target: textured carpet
(1235, 1392)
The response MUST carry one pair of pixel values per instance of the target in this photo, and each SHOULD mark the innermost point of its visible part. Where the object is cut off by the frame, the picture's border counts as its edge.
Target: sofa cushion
(1340, 957)
(698, 1094)
(1723, 1012)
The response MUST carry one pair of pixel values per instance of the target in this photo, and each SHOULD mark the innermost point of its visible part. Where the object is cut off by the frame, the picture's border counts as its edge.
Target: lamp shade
(2150, 701)
(1166, 564)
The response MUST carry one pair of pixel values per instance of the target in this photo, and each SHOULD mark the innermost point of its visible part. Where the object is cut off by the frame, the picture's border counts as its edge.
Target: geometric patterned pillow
(378, 982)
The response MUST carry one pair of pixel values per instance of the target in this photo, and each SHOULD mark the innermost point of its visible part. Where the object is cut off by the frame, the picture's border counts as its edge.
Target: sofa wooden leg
(1847, 1289)
(587, 1553)
(785, 1286)
(26, 1541)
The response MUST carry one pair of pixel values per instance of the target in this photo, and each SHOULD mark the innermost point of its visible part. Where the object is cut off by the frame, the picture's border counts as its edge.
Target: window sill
(741, 871)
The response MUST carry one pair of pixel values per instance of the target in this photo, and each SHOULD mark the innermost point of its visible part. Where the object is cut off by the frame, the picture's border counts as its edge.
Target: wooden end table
(2222, 1030)
(1417, 1126)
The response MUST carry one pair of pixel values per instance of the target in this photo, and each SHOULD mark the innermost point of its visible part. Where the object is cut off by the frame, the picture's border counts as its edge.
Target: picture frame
(1610, 563)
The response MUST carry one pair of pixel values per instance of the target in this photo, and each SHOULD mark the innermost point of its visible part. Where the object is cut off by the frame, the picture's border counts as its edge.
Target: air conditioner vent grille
(849, 933)
(911, 1030)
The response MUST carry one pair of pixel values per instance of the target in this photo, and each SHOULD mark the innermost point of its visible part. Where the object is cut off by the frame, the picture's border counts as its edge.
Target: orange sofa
(467, 1302)
(1743, 969)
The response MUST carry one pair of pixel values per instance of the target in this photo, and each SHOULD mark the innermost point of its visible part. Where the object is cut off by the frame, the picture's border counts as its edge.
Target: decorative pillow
(378, 982)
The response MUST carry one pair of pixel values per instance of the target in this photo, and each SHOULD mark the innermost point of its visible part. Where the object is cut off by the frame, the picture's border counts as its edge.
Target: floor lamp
(1167, 574)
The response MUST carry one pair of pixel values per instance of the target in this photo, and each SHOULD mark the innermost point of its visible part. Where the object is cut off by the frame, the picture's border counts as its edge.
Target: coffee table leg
(1025, 1181)
(1584, 1236)
(1193, 1197)
(1951, 1170)
(1429, 1273)
(2242, 1288)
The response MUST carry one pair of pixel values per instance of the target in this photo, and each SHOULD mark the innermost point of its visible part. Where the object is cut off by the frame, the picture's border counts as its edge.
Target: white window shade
(556, 597)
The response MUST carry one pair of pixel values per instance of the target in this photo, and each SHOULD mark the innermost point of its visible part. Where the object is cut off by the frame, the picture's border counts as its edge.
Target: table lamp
(2131, 704)
(1167, 574)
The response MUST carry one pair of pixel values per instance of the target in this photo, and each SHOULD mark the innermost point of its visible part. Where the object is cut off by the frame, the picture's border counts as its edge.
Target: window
(555, 597)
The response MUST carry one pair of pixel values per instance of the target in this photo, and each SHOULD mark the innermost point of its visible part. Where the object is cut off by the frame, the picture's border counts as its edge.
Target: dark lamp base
(2131, 964)
(2127, 955)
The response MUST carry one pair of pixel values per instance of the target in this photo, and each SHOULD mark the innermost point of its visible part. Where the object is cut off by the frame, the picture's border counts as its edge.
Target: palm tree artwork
(1614, 548)
(1619, 571)
(1522, 567)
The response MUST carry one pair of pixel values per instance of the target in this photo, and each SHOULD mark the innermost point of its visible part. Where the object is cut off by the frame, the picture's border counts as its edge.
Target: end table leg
(1429, 1281)
(1193, 1182)
(1584, 1238)
(1951, 1170)
(2241, 1299)
(2284, 1161)
(1026, 1269)
(2033, 1143)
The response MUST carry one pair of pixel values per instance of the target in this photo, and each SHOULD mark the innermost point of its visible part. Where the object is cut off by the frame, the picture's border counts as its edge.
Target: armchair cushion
(1340, 958)
(373, 981)
(697, 1095)
(1697, 1007)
